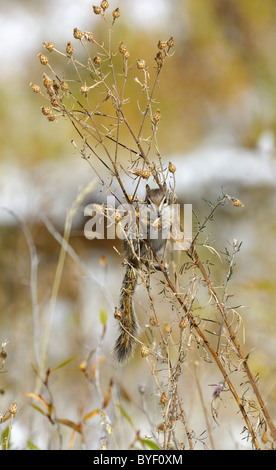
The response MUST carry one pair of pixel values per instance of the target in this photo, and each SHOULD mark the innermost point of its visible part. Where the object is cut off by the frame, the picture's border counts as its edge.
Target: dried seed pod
(172, 168)
(116, 14)
(161, 45)
(153, 321)
(69, 48)
(54, 103)
(237, 202)
(47, 82)
(159, 58)
(84, 90)
(142, 173)
(117, 314)
(182, 324)
(51, 117)
(55, 85)
(97, 10)
(88, 36)
(43, 59)
(170, 42)
(163, 398)
(144, 351)
(97, 60)
(141, 64)
(118, 217)
(45, 111)
(104, 5)
(157, 116)
(77, 33)
(64, 86)
(122, 48)
(13, 408)
(35, 88)
(48, 45)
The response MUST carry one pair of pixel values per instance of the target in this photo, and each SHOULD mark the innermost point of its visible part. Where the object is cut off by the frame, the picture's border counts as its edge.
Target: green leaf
(103, 316)
(126, 416)
(64, 363)
(4, 438)
(32, 446)
(150, 444)
(37, 408)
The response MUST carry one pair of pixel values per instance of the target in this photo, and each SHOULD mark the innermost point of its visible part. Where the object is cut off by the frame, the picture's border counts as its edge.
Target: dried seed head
(159, 58)
(54, 102)
(144, 351)
(47, 82)
(182, 324)
(88, 36)
(157, 116)
(45, 111)
(69, 48)
(118, 217)
(104, 5)
(43, 59)
(163, 398)
(49, 46)
(51, 117)
(84, 89)
(122, 48)
(35, 88)
(55, 85)
(77, 33)
(97, 10)
(153, 321)
(167, 328)
(64, 86)
(141, 64)
(145, 174)
(172, 168)
(117, 314)
(83, 366)
(97, 60)
(161, 45)
(237, 202)
(170, 42)
(116, 14)
(13, 408)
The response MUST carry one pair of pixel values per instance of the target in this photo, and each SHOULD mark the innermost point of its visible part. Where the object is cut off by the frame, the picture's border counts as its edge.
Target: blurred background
(217, 98)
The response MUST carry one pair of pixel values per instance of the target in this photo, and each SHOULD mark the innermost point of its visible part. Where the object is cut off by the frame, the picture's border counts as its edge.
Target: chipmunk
(137, 253)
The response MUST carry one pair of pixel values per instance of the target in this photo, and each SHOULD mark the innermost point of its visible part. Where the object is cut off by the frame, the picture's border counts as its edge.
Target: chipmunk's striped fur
(136, 253)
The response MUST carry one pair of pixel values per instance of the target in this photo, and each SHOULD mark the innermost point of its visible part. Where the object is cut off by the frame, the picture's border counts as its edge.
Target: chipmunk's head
(157, 197)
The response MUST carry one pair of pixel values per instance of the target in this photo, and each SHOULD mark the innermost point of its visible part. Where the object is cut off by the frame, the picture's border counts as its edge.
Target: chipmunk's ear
(165, 186)
(147, 188)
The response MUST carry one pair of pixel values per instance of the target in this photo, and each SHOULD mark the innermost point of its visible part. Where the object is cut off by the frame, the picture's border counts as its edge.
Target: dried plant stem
(213, 354)
(204, 410)
(194, 256)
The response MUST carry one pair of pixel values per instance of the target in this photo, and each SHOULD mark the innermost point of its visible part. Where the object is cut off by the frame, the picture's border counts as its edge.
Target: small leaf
(71, 424)
(126, 416)
(38, 409)
(103, 316)
(64, 363)
(5, 438)
(91, 414)
(39, 398)
(150, 444)
(32, 446)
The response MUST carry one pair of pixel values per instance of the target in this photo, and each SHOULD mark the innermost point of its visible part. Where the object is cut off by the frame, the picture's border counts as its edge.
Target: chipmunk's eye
(165, 200)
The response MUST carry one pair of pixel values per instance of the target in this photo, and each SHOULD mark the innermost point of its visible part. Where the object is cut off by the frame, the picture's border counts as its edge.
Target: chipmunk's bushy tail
(128, 322)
